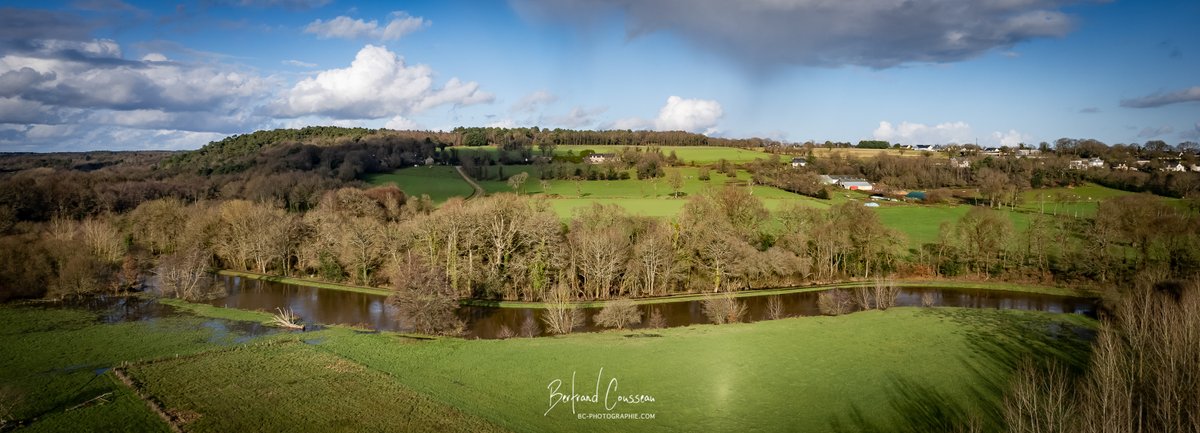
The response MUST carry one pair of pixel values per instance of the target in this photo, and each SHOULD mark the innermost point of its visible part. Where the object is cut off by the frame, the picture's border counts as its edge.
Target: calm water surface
(373, 311)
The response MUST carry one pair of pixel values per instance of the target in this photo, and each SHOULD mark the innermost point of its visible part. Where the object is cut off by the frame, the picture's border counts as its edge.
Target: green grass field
(640, 197)
(294, 387)
(439, 182)
(1081, 201)
(921, 224)
(810, 374)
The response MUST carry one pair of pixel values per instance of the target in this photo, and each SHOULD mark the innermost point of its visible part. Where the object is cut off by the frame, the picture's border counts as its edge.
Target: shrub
(927, 299)
(656, 320)
(775, 307)
(723, 309)
(863, 298)
(886, 293)
(619, 314)
(529, 327)
(834, 302)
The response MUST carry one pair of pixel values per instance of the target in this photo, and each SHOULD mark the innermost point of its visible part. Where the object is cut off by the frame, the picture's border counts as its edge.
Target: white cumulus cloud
(344, 27)
(377, 84)
(401, 123)
(919, 133)
(1012, 138)
(692, 115)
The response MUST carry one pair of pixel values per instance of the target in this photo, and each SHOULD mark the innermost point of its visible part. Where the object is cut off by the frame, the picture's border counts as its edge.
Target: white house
(599, 158)
(799, 162)
(1175, 167)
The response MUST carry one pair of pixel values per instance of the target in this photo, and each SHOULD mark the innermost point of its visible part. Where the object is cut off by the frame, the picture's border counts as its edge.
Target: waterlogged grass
(54, 359)
(292, 387)
(439, 182)
(218, 312)
(308, 283)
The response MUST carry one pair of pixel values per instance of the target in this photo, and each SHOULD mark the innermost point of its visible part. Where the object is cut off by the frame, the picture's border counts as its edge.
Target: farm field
(851, 372)
(921, 224)
(1082, 201)
(439, 182)
(641, 197)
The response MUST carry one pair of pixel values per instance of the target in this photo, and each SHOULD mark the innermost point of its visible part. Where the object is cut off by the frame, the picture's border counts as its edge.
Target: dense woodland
(288, 202)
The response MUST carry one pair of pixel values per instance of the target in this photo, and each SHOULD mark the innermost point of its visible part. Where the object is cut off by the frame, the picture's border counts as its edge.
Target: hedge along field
(439, 182)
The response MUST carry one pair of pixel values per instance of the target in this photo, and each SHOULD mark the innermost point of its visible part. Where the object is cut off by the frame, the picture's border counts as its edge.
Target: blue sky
(105, 74)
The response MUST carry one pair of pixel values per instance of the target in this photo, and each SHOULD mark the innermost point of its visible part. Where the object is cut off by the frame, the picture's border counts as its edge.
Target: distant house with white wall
(600, 158)
(799, 162)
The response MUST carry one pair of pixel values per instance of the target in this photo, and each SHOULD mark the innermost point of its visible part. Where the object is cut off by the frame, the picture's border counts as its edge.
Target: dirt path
(478, 189)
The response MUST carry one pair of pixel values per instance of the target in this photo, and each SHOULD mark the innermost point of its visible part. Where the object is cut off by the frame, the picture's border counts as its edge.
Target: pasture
(865, 370)
(439, 182)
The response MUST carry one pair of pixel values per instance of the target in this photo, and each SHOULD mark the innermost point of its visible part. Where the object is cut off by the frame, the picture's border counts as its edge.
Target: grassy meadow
(852, 372)
(439, 182)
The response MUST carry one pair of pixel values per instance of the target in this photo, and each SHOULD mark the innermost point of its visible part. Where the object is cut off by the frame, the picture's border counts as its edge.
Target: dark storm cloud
(831, 33)
(1163, 98)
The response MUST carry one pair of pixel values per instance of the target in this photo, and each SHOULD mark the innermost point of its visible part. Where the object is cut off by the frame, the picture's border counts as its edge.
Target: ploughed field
(69, 369)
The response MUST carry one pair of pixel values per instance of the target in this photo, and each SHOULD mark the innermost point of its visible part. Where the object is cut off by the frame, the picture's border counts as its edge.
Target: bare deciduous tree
(775, 307)
(184, 274)
(885, 294)
(618, 314)
(561, 316)
(723, 308)
(834, 302)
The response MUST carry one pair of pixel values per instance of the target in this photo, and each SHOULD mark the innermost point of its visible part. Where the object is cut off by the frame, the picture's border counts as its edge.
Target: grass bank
(308, 283)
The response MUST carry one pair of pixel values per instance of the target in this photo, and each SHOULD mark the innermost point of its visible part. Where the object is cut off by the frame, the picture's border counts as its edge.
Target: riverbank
(810, 373)
(685, 297)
